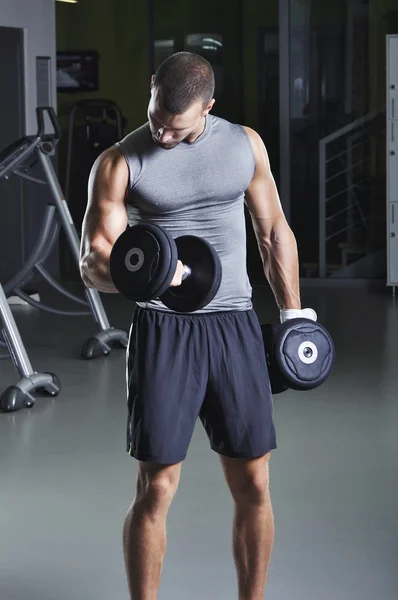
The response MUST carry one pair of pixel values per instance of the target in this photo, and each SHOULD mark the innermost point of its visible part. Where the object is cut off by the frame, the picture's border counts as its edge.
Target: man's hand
(177, 279)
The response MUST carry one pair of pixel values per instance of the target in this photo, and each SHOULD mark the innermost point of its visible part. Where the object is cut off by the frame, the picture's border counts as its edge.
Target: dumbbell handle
(187, 272)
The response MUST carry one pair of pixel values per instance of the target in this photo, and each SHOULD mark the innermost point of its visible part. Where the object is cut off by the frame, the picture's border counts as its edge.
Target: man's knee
(156, 486)
(254, 490)
(249, 480)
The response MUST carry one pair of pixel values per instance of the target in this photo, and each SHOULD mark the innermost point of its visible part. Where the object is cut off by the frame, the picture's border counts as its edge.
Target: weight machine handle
(40, 112)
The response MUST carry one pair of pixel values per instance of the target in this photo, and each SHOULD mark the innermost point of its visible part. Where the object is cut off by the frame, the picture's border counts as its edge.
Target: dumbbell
(144, 260)
(300, 354)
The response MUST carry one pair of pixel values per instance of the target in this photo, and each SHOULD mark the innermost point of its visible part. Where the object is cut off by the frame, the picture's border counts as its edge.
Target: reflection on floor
(66, 481)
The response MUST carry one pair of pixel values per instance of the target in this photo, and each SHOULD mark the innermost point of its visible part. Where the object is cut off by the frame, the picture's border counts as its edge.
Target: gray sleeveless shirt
(197, 189)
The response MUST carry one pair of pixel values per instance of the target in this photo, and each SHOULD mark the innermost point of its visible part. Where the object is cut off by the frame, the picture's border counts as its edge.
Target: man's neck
(194, 136)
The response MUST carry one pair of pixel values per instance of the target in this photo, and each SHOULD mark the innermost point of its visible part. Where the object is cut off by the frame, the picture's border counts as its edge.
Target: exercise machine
(17, 160)
(94, 125)
(11, 160)
(20, 395)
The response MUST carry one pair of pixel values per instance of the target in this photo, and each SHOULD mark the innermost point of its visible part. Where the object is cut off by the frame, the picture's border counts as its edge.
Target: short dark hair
(184, 78)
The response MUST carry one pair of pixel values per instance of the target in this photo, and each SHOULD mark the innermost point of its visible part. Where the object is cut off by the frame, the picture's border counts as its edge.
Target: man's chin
(164, 146)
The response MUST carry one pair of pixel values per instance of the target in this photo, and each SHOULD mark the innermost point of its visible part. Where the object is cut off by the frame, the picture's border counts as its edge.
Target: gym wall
(27, 31)
(37, 19)
(118, 31)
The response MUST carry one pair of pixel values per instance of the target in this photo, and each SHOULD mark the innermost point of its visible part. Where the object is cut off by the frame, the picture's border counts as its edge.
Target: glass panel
(163, 49)
(331, 87)
(268, 92)
(213, 29)
(210, 46)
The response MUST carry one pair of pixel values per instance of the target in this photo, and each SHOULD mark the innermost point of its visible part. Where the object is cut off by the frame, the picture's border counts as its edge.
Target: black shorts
(212, 366)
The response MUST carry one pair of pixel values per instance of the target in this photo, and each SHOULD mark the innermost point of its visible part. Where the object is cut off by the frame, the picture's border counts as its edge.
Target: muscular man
(191, 173)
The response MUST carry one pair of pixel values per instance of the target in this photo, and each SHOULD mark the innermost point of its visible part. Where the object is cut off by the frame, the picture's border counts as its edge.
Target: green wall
(118, 31)
(256, 15)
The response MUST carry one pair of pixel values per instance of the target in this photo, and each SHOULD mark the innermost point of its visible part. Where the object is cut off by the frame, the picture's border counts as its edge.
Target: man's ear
(152, 81)
(209, 107)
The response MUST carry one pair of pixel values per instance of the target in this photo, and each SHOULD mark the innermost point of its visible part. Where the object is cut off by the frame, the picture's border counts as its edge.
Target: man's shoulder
(228, 126)
(136, 140)
(221, 122)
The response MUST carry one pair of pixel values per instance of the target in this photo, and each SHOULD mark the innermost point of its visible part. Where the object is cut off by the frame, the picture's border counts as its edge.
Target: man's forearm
(280, 260)
(94, 269)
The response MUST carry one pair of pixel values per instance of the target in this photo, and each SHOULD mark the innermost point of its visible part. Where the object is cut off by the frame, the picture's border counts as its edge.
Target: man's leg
(253, 534)
(144, 534)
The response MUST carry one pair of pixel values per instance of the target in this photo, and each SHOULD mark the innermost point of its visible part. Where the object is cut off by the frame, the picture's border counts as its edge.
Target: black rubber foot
(94, 348)
(104, 342)
(13, 398)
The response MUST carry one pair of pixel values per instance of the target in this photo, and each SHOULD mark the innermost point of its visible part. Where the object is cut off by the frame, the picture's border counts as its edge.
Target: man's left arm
(276, 241)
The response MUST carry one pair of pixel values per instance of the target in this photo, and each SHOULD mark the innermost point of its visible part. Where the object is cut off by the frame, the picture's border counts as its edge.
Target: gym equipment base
(102, 343)
(20, 396)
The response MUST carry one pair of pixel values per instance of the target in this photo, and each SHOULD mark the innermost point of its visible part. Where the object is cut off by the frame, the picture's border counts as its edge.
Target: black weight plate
(304, 353)
(143, 262)
(201, 286)
(278, 385)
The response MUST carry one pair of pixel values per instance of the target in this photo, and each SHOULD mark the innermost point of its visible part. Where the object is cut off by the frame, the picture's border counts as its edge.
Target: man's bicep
(106, 214)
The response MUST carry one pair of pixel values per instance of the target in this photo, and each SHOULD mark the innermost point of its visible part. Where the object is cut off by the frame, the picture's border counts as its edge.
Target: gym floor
(66, 481)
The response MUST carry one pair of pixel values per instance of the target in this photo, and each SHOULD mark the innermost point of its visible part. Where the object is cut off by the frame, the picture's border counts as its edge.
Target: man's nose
(164, 136)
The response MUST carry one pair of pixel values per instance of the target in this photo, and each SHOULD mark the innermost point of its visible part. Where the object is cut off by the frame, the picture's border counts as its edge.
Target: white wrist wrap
(291, 313)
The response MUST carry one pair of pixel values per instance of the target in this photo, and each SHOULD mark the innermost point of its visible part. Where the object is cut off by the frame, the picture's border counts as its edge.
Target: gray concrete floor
(66, 481)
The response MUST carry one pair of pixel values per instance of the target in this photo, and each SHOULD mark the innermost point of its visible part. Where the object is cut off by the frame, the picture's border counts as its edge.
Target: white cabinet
(392, 241)
(392, 161)
(392, 77)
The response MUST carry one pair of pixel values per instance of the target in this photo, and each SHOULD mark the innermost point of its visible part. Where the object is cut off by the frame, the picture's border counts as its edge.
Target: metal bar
(361, 162)
(349, 192)
(41, 244)
(51, 242)
(150, 36)
(50, 309)
(241, 45)
(350, 127)
(322, 209)
(70, 150)
(335, 195)
(336, 214)
(13, 338)
(29, 177)
(19, 158)
(92, 295)
(357, 184)
(344, 152)
(332, 235)
(22, 281)
(59, 287)
(357, 204)
(284, 104)
(349, 59)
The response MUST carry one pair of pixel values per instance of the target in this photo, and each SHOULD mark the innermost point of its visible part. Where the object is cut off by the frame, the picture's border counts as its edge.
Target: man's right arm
(105, 218)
